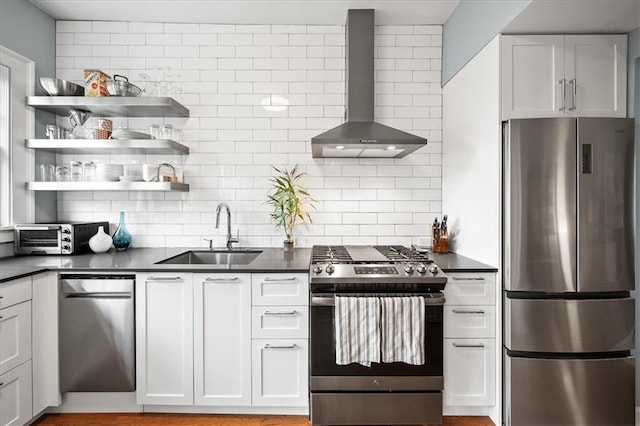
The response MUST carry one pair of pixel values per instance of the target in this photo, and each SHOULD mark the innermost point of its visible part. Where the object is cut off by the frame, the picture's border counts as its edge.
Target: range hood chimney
(360, 136)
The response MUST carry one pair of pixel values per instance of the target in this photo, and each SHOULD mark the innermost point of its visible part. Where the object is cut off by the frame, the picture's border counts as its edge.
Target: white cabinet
(15, 335)
(15, 396)
(469, 378)
(280, 372)
(469, 340)
(558, 75)
(44, 362)
(280, 354)
(28, 347)
(280, 289)
(222, 342)
(223, 339)
(164, 338)
(16, 399)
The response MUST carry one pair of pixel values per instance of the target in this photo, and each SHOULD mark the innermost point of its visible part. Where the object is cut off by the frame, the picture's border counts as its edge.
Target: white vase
(101, 242)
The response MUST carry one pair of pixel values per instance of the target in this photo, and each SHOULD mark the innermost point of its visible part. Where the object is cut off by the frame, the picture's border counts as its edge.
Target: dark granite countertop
(451, 262)
(145, 259)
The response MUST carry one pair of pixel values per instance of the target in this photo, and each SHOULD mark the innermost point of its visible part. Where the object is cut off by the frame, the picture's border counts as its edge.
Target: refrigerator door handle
(587, 158)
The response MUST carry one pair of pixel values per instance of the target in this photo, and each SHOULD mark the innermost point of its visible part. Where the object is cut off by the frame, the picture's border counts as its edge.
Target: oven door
(38, 239)
(327, 375)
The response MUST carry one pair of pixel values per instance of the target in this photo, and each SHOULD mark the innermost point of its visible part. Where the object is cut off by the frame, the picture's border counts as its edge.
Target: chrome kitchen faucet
(230, 239)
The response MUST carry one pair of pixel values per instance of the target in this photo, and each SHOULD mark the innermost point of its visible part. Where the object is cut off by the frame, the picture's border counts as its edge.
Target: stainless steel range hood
(360, 136)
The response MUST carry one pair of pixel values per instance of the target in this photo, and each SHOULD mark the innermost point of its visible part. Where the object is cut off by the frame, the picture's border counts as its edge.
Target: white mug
(150, 172)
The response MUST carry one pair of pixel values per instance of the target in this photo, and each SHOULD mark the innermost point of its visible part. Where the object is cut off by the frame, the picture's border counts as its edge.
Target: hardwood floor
(152, 419)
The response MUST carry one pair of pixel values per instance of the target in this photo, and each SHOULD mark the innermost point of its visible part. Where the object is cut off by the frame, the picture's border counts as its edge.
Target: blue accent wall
(470, 27)
(29, 31)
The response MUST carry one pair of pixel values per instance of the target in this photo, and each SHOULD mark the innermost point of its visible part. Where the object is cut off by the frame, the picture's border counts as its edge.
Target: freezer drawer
(568, 392)
(561, 325)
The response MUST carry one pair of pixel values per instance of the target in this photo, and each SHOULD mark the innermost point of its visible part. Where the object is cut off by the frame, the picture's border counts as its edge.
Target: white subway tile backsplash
(73, 27)
(235, 39)
(257, 95)
(289, 29)
(110, 27)
(91, 38)
(181, 28)
(83, 51)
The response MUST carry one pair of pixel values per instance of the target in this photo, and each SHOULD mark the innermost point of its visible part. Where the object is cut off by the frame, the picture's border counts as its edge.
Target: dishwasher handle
(99, 295)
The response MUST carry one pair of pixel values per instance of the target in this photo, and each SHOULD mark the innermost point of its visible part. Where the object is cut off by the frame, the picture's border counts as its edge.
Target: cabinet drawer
(280, 322)
(280, 289)
(15, 291)
(15, 336)
(280, 372)
(469, 321)
(470, 288)
(15, 395)
(469, 372)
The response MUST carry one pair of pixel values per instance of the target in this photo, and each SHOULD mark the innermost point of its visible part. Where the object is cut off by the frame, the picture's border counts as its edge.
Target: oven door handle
(38, 228)
(330, 301)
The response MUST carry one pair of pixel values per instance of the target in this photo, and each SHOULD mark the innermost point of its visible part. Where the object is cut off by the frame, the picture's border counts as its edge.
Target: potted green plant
(290, 202)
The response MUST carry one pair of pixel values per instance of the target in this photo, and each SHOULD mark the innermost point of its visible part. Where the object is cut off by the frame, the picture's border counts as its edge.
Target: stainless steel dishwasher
(97, 334)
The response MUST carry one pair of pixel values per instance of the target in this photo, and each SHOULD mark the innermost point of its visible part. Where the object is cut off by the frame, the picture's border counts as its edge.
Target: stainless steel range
(382, 393)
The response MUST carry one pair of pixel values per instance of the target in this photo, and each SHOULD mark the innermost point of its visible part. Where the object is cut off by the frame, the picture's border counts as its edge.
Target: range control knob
(330, 269)
(317, 269)
(421, 268)
(66, 231)
(66, 247)
(408, 269)
(65, 238)
(433, 269)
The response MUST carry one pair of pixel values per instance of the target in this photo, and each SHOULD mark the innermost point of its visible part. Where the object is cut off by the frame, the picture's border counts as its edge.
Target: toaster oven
(55, 238)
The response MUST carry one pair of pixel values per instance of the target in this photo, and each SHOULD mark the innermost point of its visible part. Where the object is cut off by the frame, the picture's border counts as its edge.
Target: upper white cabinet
(558, 75)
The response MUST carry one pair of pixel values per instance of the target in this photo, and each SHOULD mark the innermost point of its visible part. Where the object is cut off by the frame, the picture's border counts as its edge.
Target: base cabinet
(222, 340)
(15, 396)
(212, 339)
(28, 347)
(469, 372)
(280, 372)
(469, 342)
(164, 338)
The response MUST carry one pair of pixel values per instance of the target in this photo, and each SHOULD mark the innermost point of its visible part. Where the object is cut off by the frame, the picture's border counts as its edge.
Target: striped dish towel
(357, 330)
(402, 329)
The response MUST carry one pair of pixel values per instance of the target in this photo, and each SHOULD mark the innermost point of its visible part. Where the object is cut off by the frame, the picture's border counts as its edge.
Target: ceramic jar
(101, 242)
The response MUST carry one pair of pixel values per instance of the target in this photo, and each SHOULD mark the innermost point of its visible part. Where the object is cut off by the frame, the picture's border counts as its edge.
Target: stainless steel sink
(213, 257)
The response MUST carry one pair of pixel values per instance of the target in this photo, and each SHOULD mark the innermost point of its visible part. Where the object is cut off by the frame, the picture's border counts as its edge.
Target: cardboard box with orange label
(95, 83)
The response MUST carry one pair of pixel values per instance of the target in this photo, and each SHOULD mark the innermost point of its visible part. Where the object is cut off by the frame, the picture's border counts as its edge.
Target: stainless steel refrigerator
(568, 272)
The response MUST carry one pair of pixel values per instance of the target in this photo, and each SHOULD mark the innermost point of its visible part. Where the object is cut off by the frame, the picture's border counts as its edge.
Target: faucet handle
(210, 242)
(237, 238)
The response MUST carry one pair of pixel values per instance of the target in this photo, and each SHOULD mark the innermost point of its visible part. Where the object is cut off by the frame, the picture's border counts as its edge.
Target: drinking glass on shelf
(89, 171)
(75, 168)
(47, 172)
(62, 174)
(167, 131)
(176, 86)
(154, 131)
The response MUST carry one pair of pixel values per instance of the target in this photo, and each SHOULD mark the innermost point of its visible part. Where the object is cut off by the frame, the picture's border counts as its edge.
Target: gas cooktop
(388, 265)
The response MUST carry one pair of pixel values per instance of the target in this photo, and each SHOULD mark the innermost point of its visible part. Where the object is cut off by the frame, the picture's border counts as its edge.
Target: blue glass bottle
(122, 236)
